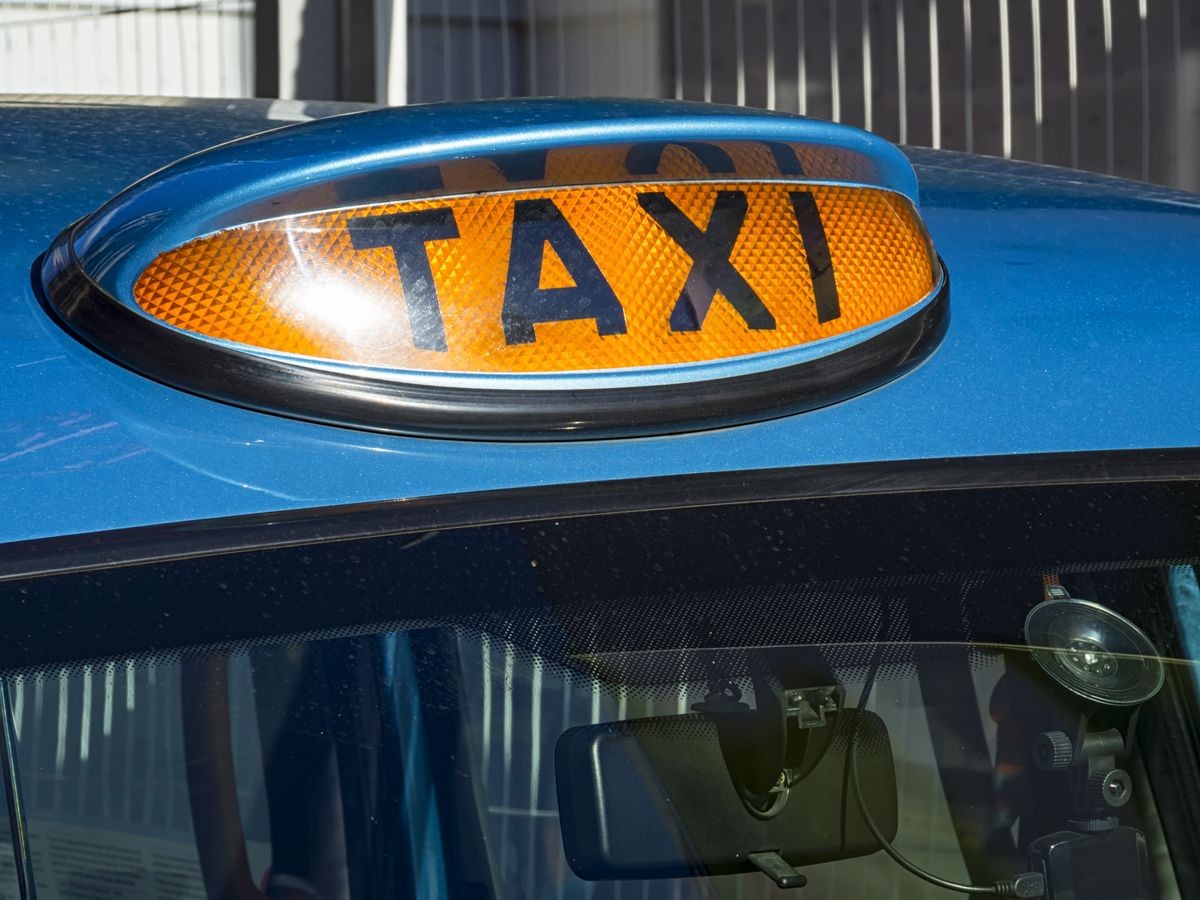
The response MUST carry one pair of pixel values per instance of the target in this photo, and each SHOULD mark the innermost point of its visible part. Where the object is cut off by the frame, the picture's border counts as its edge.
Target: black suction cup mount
(1093, 652)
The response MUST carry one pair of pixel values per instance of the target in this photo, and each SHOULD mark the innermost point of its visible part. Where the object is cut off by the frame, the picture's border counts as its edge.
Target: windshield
(886, 696)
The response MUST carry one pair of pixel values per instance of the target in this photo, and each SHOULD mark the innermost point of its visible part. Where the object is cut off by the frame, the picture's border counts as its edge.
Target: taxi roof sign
(579, 270)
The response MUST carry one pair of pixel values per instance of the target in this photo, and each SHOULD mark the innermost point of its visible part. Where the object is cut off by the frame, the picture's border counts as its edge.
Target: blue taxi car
(589, 499)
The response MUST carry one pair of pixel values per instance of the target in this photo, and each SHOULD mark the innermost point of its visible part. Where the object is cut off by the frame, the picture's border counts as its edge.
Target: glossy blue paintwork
(1075, 325)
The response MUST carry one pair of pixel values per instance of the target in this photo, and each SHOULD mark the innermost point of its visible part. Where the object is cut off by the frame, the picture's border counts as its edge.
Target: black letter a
(535, 224)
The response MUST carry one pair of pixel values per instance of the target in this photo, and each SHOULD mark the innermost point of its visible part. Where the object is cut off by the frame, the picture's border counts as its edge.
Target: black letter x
(711, 269)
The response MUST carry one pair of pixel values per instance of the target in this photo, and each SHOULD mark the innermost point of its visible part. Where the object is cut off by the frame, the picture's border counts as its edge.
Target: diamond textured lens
(554, 280)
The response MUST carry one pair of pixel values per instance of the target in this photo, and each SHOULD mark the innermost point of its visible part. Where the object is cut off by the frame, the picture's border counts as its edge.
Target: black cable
(1028, 884)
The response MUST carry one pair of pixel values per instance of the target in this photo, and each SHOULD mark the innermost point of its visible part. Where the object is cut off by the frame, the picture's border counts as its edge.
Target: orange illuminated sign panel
(555, 279)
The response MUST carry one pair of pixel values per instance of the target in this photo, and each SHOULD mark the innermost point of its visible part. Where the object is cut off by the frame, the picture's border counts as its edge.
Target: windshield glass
(882, 696)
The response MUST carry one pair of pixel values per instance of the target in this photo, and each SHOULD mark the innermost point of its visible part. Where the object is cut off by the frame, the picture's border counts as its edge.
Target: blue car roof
(1074, 326)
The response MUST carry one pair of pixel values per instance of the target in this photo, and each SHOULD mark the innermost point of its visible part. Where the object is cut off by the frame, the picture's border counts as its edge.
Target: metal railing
(1106, 85)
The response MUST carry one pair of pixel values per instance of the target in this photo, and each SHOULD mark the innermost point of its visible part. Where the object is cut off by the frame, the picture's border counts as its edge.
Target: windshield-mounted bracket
(769, 748)
(809, 706)
(772, 746)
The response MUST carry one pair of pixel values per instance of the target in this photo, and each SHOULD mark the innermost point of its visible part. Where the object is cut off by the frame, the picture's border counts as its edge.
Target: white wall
(77, 46)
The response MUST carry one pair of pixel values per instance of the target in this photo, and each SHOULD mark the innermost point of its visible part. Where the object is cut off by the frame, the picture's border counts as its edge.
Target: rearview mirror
(654, 798)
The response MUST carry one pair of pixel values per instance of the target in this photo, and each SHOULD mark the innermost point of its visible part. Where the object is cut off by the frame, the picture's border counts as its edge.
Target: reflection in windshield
(462, 761)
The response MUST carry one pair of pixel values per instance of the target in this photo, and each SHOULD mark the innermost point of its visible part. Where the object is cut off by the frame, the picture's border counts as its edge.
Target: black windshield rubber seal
(266, 384)
(291, 528)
